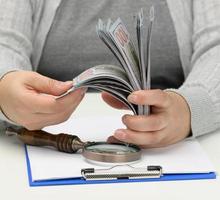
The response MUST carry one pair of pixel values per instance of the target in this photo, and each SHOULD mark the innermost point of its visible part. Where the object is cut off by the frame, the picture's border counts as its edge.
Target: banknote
(135, 67)
(144, 50)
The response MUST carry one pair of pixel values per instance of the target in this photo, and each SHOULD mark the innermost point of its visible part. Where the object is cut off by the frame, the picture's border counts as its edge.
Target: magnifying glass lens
(113, 153)
(111, 149)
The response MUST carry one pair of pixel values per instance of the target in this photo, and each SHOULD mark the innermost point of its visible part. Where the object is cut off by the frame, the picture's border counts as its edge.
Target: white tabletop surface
(14, 180)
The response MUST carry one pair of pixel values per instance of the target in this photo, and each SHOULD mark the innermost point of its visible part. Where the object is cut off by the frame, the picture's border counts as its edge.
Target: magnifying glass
(94, 151)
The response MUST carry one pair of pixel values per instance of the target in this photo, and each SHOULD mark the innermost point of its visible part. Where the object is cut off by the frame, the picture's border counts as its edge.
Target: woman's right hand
(28, 99)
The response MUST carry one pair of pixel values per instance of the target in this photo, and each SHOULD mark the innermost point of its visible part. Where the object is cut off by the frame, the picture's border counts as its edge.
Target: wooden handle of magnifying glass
(62, 142)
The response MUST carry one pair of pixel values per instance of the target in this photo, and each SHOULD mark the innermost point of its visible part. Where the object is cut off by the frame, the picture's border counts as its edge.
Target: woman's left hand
(168, 123)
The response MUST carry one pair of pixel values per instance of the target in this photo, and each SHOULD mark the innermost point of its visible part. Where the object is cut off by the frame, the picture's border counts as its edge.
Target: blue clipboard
(81, 180)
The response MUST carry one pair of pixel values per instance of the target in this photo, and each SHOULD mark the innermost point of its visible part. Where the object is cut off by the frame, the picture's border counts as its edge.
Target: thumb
(47, 85)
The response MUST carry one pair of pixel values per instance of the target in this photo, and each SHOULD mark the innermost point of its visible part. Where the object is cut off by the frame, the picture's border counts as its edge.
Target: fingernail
(68, 83)
(120, 134)
(132, 98)
(83, 91)
(63, 84)
(124, 117)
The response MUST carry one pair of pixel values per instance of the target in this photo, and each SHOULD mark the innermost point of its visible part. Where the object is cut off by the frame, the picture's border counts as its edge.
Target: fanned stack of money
(134, 72)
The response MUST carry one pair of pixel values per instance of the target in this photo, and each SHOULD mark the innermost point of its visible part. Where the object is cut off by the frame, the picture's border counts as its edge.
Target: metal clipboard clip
(116, 172)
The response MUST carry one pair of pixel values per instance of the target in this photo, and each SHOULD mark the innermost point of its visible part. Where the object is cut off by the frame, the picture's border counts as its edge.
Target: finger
(112, 139)
(138, 138)
(153, 122)
(47, 85)
(112, 101)
(52, 119)
(48, 104)
(72, 99)
(156, 97)
(41, 120)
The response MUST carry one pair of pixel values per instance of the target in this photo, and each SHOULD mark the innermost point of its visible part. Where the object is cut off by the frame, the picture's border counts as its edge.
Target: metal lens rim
(109, 157)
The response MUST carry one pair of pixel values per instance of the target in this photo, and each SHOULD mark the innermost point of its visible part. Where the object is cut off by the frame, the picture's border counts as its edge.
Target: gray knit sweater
(25, 24)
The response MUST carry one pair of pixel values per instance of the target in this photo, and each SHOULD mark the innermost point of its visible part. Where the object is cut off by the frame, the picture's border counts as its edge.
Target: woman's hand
(168, 123)
(28, 99)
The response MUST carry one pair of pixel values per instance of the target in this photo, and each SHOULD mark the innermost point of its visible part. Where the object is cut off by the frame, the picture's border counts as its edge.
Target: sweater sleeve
(15, 37)
(201, 88)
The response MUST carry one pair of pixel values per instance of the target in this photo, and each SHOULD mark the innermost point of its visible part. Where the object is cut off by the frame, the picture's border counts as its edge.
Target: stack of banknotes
(134, 72)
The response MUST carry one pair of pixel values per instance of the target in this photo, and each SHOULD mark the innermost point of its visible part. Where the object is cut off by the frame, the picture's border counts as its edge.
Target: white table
(14, 181)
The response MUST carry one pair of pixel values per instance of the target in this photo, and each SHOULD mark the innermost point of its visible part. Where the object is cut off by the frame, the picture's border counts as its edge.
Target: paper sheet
(46, 164)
